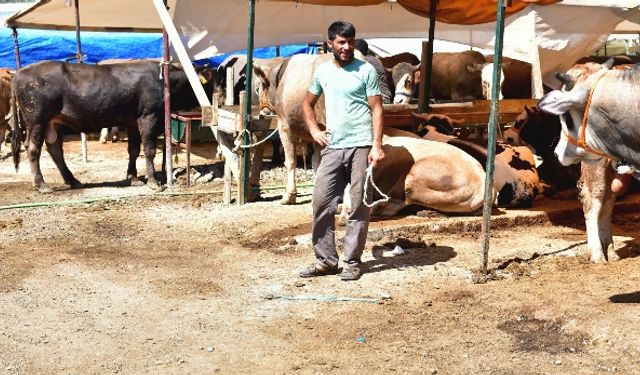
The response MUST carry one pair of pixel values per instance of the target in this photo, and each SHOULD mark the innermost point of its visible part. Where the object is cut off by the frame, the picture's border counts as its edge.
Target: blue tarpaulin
(38, 45)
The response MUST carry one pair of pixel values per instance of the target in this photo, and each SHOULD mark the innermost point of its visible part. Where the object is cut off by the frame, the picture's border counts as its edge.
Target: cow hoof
(154, 185)
(44, 189)
(74, 184)
(134, 181)
(103, 140)
(598, 259)
(251, 197)
(612, 256)
(288, 199)
(342, 221)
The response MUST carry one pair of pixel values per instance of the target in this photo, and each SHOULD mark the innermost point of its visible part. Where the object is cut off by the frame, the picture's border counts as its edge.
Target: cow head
(405, 78)
(262, 86)
(569, 103)
(486, 75)
(537, 130)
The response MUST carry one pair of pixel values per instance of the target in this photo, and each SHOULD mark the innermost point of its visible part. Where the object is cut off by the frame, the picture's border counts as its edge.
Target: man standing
(352, 140)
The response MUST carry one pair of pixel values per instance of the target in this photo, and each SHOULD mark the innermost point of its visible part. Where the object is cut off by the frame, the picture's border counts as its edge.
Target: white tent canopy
(555, 34)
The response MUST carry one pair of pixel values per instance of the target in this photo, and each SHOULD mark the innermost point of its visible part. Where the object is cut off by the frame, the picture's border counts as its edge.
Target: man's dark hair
(343, 28)
(362, 46)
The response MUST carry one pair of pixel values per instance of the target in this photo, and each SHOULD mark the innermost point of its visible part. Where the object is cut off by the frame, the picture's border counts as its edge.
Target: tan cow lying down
(426, 173)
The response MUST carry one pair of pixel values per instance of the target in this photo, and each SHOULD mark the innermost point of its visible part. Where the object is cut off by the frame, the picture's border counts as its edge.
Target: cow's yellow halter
(582, 143)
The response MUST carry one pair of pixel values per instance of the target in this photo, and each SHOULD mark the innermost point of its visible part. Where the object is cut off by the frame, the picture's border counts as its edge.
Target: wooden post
(228, 99)
(427, 62)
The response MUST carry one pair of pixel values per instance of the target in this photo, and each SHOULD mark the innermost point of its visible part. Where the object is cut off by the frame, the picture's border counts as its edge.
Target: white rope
(385, 198)
(160, 65)
(238, 144)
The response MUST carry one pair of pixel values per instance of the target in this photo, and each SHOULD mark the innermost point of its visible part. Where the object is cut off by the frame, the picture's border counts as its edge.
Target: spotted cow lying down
(515, 178)
(427, 174)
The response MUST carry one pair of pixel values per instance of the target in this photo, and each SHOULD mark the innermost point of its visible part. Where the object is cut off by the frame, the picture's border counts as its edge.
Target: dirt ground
(178, 283)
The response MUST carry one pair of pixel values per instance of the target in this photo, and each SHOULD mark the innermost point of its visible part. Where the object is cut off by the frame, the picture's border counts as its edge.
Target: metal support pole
(491, 141)
(79, 55)
(425, 69)
(166, 57)
(244, 168)
(16, 48)
(80, 60)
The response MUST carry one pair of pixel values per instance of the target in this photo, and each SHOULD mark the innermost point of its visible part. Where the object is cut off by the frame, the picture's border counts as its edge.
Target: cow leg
(149, 145)
(114, 134)
(133, 147)
(33, 151)
(104, 133)
(290, 166)
(597, 204)
(57, 155)
(3, 130)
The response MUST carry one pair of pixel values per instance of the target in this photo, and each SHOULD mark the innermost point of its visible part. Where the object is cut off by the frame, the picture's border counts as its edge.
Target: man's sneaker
(351, 272)
(318, 269)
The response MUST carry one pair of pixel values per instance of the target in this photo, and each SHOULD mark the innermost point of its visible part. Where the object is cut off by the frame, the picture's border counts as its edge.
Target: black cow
(88, 98)
(540, 131)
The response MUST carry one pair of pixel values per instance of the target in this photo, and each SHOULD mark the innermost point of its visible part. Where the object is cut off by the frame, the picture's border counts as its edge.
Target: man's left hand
(376, 154)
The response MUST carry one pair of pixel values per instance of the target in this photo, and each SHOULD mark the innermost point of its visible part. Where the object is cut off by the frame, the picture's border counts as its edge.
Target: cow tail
(16, 138)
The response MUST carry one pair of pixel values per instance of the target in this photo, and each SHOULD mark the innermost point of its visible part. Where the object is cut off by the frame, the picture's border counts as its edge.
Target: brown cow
(517, 78)
(454, 76)
(391, 61)
(5, 103)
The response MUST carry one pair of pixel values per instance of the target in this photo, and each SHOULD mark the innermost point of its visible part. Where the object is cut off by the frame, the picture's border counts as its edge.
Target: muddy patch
(539, 335)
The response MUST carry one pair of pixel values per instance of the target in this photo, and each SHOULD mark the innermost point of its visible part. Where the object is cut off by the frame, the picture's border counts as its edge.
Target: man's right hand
(320, 136)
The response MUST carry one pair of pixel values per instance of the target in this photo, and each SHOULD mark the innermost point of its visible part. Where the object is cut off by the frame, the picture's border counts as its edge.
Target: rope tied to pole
(160, 65)
(238, 141)
(369, 177)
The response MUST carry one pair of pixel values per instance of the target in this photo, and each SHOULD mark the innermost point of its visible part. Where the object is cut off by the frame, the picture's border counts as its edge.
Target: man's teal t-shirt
(346, 90)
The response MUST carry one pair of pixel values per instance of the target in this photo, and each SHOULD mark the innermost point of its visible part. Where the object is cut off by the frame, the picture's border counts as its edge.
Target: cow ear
(609, 63)
(475, 67)
(205, 76)
(528, 110)
(560, 102)
(259, 72)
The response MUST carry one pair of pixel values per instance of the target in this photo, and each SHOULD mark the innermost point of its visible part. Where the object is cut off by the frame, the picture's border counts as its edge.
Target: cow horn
(565, 78)
(609, 63)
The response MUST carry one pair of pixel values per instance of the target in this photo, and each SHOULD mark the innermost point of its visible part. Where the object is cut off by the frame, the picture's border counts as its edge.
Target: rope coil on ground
(369, 177)
(238, 141)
